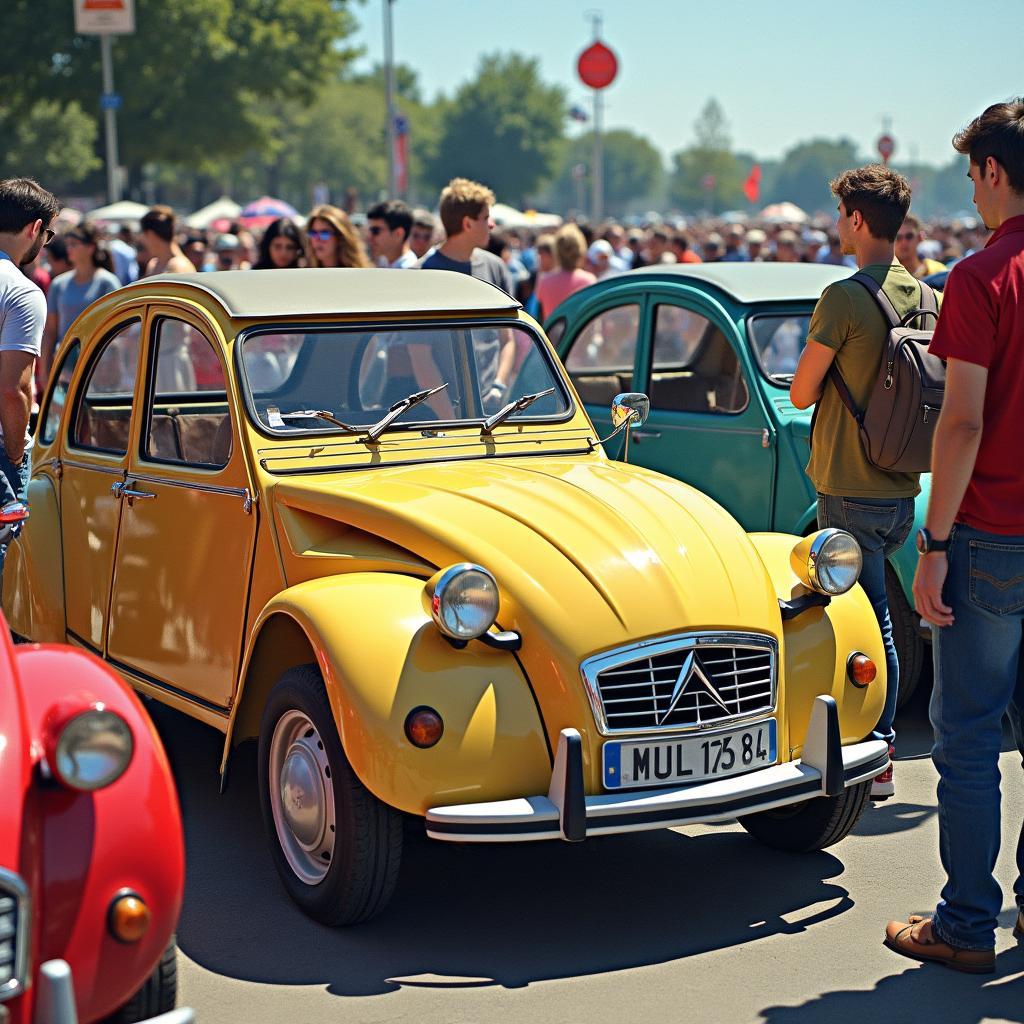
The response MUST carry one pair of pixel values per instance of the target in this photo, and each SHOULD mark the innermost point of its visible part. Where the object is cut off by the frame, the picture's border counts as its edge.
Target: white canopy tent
(783, 213)
(124, 211)
(224, 208)
(509, 217)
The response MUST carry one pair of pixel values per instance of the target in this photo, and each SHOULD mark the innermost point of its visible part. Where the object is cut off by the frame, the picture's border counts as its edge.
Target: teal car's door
(707, 424)
(601, 358)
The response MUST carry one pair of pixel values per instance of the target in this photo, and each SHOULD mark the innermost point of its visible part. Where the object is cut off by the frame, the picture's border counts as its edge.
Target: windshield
(358, 375)
(778, 339)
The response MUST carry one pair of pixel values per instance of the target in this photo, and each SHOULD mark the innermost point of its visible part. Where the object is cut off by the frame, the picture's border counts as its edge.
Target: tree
(633, 172)
(504, 128)
(807, 169)
(707, 176)
(199, 78)
(50, 141)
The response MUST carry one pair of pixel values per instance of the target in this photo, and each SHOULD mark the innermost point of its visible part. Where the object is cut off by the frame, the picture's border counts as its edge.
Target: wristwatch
(926, 543)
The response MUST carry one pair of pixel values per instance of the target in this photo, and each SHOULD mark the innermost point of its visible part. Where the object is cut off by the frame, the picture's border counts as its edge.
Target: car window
(556, 330)
(104, 411)
(59, 395)
(693, 366)
(600, 361)
(778, 341)
(188, 421)
(357, 375)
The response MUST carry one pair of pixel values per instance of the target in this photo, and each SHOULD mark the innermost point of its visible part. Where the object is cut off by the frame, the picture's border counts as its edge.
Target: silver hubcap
(302, 797)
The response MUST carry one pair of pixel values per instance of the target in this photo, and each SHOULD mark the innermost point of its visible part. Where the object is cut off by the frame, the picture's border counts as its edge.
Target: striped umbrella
(264, 211)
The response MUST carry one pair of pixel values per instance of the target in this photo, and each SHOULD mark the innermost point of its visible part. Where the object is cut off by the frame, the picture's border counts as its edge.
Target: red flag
(752, 186)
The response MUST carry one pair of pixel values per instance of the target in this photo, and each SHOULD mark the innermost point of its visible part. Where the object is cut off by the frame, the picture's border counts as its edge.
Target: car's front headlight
(462, 600)
(93, 749)
(828, 561)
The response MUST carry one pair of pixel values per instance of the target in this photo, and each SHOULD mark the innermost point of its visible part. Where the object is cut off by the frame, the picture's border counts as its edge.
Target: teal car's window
(188, 421)
(555, 331)
(693, 366)
(105, 407)
(778, 341)
(600, 361)
(357, 375)
(59, 396)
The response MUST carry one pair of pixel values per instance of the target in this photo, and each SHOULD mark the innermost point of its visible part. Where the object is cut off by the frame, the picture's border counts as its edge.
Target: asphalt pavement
(697, 924)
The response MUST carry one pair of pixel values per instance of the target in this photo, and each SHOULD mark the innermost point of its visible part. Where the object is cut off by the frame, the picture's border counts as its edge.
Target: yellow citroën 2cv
(363, 517)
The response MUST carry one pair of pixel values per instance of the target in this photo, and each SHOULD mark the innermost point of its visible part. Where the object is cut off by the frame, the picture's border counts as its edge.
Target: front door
(93, 464)
(707, 426)
(188, 524)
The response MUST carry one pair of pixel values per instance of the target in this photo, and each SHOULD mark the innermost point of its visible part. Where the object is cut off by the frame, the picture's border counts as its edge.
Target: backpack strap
(877, 292)
(844, 393)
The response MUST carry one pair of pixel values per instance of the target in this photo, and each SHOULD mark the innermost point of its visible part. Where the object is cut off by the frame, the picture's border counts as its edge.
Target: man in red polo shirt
(970, 576)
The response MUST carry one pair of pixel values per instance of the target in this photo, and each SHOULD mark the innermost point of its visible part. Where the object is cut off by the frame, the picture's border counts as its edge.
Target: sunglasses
(320, 236)
(49, 235)
(374, 230)
(906, 236)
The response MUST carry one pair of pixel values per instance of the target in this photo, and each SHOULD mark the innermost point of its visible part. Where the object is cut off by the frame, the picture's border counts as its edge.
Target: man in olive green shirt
(849, 329)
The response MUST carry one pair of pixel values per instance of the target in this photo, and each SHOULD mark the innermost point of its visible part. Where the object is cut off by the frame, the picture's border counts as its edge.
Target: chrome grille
(14, 924)
(692, 681)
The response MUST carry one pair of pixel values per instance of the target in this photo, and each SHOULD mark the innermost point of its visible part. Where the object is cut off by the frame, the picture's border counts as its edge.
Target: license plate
(684, 759)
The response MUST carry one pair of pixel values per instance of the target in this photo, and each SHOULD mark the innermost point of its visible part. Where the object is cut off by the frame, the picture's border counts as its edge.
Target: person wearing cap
(601, 259)
(813, 241)
(756, 239)
(734, 251)
(227, 251)
(785, 247)
(713, 248)
(569, 278)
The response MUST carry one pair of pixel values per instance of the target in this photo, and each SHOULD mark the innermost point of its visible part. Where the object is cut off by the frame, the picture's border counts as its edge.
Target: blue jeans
(880, 526)
(977, 679)
(13, 487)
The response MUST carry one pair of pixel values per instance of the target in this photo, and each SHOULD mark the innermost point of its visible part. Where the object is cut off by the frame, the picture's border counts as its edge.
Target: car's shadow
(477, 915)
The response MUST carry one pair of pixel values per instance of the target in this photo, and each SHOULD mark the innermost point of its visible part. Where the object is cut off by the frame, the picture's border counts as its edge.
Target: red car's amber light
(129, 917)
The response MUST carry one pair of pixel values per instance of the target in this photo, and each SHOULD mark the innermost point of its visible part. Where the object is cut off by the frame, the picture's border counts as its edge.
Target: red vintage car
(91, 854)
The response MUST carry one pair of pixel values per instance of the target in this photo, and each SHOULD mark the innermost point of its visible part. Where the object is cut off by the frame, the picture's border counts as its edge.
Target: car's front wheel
(336, 846)
(812, 824)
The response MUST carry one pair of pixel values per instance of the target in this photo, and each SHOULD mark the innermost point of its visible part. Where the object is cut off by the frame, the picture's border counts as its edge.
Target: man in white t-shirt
(26, 211)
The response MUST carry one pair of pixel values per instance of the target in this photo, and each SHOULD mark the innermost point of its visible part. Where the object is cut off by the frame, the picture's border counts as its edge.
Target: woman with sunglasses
(280, 247)
(90, 277)
(332, 241)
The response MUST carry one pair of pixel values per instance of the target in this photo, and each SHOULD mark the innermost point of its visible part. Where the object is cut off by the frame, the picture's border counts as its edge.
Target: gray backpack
(897, 426)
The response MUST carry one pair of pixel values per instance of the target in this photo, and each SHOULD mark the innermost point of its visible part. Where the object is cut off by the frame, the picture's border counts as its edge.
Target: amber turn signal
(423, 727)
(861, 669)
(129, 917)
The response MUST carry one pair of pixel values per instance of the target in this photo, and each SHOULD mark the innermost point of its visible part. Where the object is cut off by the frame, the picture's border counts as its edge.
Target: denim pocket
(997, 576)
(874, 519)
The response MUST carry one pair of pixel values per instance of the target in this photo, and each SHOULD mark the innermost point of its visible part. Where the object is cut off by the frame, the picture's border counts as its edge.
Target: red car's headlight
(92, 749)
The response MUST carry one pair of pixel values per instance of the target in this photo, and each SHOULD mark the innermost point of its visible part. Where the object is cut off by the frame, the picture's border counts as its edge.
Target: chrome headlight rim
(818, 564)
(73, 741)
(440, 584)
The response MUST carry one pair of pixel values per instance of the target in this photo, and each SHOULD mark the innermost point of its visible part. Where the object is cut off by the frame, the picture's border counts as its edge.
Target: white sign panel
(104, 17)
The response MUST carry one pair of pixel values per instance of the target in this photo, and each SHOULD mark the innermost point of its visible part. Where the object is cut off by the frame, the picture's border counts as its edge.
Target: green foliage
(51, 142)
(807, 169)
(504, 128)
(633, 172)
(707, 176)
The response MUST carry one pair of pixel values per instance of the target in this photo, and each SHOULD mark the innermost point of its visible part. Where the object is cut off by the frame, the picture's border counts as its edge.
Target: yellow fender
(381, 656)
(33, 589)
(815, 649)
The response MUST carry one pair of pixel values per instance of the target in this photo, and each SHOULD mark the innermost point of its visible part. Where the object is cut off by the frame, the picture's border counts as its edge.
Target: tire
(810, 825)
(909, 642)
(158, 994)
(338, 849)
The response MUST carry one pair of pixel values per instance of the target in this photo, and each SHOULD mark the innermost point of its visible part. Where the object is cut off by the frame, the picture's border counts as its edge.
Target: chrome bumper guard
(55, 1000)
(826, 768)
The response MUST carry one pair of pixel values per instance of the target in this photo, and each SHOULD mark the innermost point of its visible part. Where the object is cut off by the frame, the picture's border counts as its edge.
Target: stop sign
(886, 145)
(597, 66)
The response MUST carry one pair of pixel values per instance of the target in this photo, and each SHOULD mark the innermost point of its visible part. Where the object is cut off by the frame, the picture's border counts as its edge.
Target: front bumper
(826, 768)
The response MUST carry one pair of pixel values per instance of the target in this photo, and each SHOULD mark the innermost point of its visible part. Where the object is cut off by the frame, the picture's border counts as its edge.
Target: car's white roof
(753, 282)
(327, 292)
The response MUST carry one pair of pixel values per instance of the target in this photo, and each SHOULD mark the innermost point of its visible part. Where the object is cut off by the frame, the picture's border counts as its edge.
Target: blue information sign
(110, 101)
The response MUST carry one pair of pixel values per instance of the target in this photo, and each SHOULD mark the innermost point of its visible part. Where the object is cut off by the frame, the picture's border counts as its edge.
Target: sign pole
(598, 175)
(597, 67)
(110, 121)
(389, 89)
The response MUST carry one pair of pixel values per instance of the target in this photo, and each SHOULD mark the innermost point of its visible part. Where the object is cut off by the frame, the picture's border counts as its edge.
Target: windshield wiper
(506, 410)
(312, 414)
(397, 409)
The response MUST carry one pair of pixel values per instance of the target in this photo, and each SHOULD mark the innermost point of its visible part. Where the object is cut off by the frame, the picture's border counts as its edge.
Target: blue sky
(783, 71)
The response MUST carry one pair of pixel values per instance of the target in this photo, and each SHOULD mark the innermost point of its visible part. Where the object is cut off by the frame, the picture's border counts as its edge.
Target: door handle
(116, 489)
(642, 435)
(132, 495)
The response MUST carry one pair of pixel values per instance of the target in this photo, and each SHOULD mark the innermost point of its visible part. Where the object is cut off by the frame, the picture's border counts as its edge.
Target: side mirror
(629, 409)
(13, 512)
